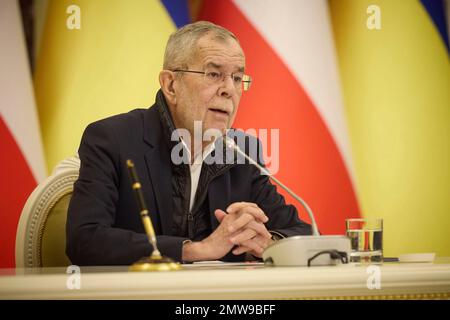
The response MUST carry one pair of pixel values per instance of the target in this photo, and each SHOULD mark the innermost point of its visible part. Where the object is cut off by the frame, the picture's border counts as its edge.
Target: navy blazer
(103, 224)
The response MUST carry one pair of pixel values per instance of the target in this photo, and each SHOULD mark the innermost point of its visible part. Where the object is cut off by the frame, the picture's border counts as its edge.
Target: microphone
(232, 145)
(309, 248)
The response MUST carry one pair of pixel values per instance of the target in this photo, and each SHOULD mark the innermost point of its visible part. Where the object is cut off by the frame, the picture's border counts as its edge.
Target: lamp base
(155, 263)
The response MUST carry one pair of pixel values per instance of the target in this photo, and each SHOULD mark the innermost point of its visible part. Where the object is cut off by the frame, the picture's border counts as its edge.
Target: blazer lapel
(157, 159)
(158, 165)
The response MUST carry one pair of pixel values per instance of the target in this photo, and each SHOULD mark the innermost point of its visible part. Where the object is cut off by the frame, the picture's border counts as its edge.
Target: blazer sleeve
(91, 238)
(283, 218)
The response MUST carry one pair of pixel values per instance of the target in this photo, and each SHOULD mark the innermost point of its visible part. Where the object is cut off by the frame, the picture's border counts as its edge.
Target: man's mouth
(219, 111)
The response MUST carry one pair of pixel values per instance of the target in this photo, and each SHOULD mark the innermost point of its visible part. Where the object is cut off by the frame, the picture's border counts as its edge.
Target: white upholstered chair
(41, 236)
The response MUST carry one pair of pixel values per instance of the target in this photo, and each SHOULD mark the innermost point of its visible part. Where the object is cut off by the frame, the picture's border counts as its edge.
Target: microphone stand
(308, 248)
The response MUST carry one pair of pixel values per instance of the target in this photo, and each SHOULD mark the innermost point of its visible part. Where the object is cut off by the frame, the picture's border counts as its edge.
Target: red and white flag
(22, 162)
(291, 57)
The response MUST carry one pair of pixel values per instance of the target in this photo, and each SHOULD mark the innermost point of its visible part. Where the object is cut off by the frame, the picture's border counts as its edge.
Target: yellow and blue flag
(396, 81)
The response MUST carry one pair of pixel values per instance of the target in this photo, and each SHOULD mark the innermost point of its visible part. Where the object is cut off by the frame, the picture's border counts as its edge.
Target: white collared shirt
(196, 168)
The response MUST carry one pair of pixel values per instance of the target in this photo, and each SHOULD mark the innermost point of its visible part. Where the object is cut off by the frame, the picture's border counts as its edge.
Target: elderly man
(199, 211)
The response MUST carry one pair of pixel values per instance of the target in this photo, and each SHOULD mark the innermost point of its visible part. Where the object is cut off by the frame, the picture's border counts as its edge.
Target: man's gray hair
(181, 46)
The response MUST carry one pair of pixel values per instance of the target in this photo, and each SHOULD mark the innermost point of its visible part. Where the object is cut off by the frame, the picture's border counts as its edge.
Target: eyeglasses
(240, 80)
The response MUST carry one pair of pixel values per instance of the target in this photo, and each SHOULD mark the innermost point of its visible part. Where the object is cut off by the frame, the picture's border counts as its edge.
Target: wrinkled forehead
(215, 52)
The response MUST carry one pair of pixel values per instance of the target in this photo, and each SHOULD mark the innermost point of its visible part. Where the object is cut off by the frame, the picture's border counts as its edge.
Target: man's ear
(166, 81)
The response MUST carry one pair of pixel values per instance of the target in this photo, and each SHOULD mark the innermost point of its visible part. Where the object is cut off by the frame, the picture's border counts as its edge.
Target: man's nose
(227, 86)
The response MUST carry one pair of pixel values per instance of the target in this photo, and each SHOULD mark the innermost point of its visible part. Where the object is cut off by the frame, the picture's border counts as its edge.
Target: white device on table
(300, 250)
(417, 257)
